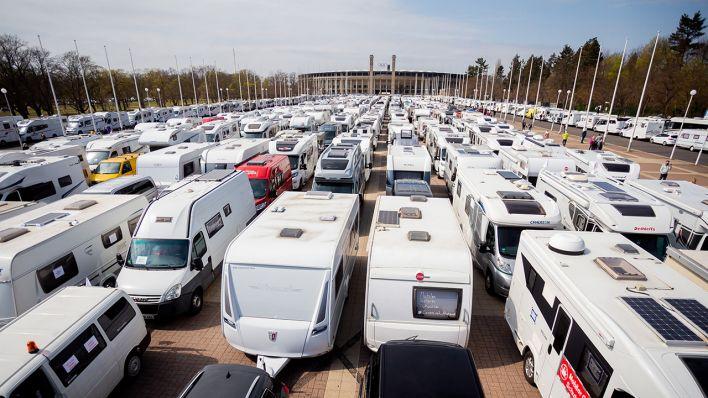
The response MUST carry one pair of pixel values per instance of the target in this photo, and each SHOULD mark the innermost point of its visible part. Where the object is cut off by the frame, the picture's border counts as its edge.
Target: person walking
(546, 135)
(583, 135)
(565, 137)
(523, 125)
(592, 143)
(664, 170)
(599, 143)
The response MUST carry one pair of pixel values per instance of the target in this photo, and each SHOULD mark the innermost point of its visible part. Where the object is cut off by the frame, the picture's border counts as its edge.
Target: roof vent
(328, 218)
(626, 248)
(278, 209)
(575, 176)
(319, 195)
(567, 244)
(170, 152)
(45, 219)
(291, 233)
(410, 212)
(418, 198)
(12, 233)
(620, 269)
(80, 205)
(419, 236)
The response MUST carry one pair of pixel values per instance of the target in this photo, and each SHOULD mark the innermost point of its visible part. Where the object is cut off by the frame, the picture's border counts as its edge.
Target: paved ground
(182, 346)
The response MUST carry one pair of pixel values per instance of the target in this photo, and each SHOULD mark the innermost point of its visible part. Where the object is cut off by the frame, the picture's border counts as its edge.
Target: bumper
(502, 282)
(166, 309)
(142, 347)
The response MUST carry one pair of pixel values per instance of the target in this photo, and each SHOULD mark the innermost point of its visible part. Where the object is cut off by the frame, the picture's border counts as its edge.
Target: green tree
(685, 39)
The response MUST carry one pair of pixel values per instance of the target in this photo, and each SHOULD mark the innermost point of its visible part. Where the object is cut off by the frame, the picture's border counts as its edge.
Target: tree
(684, 40)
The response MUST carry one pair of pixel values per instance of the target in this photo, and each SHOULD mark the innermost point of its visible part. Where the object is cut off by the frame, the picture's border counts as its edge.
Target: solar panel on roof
(215, 175)
(660, 319)
(509, 175)
(45, 219)
(388, 217)
(607, 187)
(619, 197)
(514, 195)
(693, 310)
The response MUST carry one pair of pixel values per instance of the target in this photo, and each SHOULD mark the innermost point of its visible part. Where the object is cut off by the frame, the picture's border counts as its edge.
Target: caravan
(604, 164)
(417, 255)
(112, 145)
(528, 163)
(169, 165)
(63, 243)
(85, 124)
(39, 129)
(463, 156)
(340, 169)
(406, 162)
(230, 153)
(164, 136)
(594, 315)
(178, 246)
(40, 179)
(493, 208)
(286, 277)
(302, 151)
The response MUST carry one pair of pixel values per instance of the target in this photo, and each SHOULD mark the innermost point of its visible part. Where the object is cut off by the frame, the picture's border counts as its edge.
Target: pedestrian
(592, 143)
(583, 135)
(546, 135)
(600, 143)
(565, 137)
(523, 125)
(664, 170)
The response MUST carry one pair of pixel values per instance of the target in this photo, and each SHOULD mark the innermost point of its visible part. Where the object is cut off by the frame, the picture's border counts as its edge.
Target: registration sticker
(58, 272)
(91, 344)
(70, 363)
(112, 238)
(141, 260)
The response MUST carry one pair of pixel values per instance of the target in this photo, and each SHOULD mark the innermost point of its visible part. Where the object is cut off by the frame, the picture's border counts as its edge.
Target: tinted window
(339, 277)
(64, 181)
(37, 385)
(616, 167)
(126, 168)
(635, 210)
(227, 210)
(78, 355)
(37, 191)
(199, 246)
(532, 207)
(57, 273)
(188, 169)
(699, 370)
(593, 373)
(560, 330)
(112, 237)
(116, 318)
(214, 225)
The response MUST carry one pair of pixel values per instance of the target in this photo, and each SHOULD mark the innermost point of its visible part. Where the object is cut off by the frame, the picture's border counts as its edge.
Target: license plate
(148, 316)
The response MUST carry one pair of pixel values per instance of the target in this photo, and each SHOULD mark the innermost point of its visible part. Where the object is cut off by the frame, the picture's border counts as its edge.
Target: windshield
(93, 157)
(157, 253)
(259, 187)
(294, 161)
(212, 137)
(334, 187)
(508, 240)
(654, 244)
(108, 168)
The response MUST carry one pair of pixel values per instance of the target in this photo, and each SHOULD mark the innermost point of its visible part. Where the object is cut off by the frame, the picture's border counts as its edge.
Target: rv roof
(109, 186)
(682, 194)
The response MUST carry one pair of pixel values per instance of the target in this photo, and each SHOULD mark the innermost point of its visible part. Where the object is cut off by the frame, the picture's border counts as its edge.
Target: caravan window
(112, 237)
(78, 355)
(339, 278)
(57, 273)
(560, 330)
(64, 181)
(37, 191)
(36, 385)
(133, 224)
(116, 318)
(214, 225)
(187, 169)
(688, 238)
(436, 303)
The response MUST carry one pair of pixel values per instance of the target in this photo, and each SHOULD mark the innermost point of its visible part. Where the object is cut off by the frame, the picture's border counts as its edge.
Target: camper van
(604, 164)
(689, 208)
(161, 114)
(112, 145)
(340, 169)
(331, 130)
(40, 179)
(528, 163)
(595, 315)
(84, 124)
(493, 208)
(80, 342)
(8, 130)
(598, 204)
(169, 165)
(183, 111)
(269, 175)
(286, 277)
(417, 255)
(407, 162)
(364, 142)
(63, 243)
(302, 123)
(126, 185)
(111, 119)
(614, 125)
(345, 121)
(302, 151)
(495, 141)
(259, 128)
(140, 116)
(164, 136)
(230, 153)
(461, 156)
(218, 131)
(71, 145)
(693, 140)
(39, 129)
(178, 246)
(646, 128)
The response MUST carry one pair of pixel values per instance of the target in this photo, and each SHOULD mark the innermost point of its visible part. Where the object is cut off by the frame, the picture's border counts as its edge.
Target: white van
(594, 315)
(287, 276)
(63, 243)
(80, 342)
(417, 255)
(406, 162)
(113, 145)
(163, 136)
(178, 247)
(84, 124)
(39, 129)
(219, 130)
(604, 164)
(126, 185)
(169, 165)
(460, 156)
(232, 152)
(646, 128)
(302, 151)
(40, 179)
(528, 163)
(493, 208)
(693, 140)
(8, 130)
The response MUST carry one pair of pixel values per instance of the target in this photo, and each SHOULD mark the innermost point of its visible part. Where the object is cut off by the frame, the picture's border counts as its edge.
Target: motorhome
(693, 140)
(345, 121)
(41, 179)
(461, 156)
(340, 169)
(140, 116)
(112, 145)
(164, 136)
(409, 162)
(331, 130)
(39, 129)
(269, 175)
(259, 128)
(572, 118)
(417, 254)
(178, 247)
(302, 151)
(63, 243)
(595, 315)
(126, 185)
(493, 208)
(286, 277)
(9, 209)
(364, 142)
(72, 145)
(528, 163)
(437, 141)
(8, 131)
(186, 122)
(613, 125)
(591, 203)
(302, 123)
(587, 120)
(218, 131)
(495, 141)
(645, 128)
(113, 120)
(403, 129)
(161, 114)
(604, 164)
(84, 124)
(80, 342)
(183, 111)
(232, 152)
(169, 165)
(689, 208)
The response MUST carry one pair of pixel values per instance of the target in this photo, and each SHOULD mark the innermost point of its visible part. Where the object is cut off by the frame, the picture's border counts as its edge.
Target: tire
(692, 148)
(196, 302)
(663, 143)
(111, 282)
(133, 364)
(489, 283)
(529, 364)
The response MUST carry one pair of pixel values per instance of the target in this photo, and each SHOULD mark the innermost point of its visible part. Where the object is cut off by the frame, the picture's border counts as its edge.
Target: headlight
(503, 266)
(172, 293)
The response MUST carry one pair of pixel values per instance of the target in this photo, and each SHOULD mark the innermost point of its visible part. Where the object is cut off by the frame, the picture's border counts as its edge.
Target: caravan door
(549, 358)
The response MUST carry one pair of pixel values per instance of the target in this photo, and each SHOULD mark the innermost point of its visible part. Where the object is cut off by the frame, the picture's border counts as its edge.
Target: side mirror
(484, 248)
(119, 259)
(197, 264)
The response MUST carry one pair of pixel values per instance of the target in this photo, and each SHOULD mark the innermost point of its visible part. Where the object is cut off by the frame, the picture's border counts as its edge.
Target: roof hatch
(80, 205)
(291, 233)
(410, 212)
(620, 269)
(11, 233)
(419, 236)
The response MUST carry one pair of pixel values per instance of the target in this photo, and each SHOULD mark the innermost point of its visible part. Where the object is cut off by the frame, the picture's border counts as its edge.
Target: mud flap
(272, 365)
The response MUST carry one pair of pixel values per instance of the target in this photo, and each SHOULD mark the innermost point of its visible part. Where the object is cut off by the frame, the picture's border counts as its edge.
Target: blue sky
(310, 35)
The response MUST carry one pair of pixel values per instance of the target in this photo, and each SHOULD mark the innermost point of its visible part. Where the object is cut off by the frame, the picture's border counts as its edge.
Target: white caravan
(406, 162)
(463, 156)
(646, 128)
(63, 243)
(126, 185)
(304, 123)
(693, 140)
(352, 138)
(111, 119)
(301, 149)
(259, 128)
(39, 129)
(341, 169)
(178, 248)
(219, 130)
(164, 136)
(594, 315)
(161, 114)
(346, 121)
(604, 164)
(183, 111)
(169, 165)
(8, 130)
(40, 179)
(494, 207)
(232, 152)
(417, 255)
(689, 206)
(286, 277)
(80, 342)
(598, 204)
(140, 116)
(84, 124)
(528, 163)
(111, 146)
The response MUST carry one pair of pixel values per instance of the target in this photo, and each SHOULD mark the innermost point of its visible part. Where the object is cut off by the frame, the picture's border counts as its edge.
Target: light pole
(690, 98)
(147, 96)
(560, 124)
(553, 120)
(227, 94)
(7, 101)
(159, 97)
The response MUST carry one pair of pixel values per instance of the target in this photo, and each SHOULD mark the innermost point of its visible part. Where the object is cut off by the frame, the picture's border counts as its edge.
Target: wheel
(196, 302)
(133, 364)
(489, 283)
(692, 148)
(663, 143)
(529, 365)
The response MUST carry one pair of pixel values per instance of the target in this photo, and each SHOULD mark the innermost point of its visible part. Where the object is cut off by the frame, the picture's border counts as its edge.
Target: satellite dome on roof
(567, 243)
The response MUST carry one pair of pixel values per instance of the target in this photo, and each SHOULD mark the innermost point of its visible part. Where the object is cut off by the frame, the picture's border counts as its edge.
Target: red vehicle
(269, 176)
(212, 118)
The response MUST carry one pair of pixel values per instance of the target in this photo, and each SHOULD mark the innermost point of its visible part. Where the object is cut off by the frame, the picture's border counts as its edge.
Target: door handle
(374, 312)
(549, 348)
